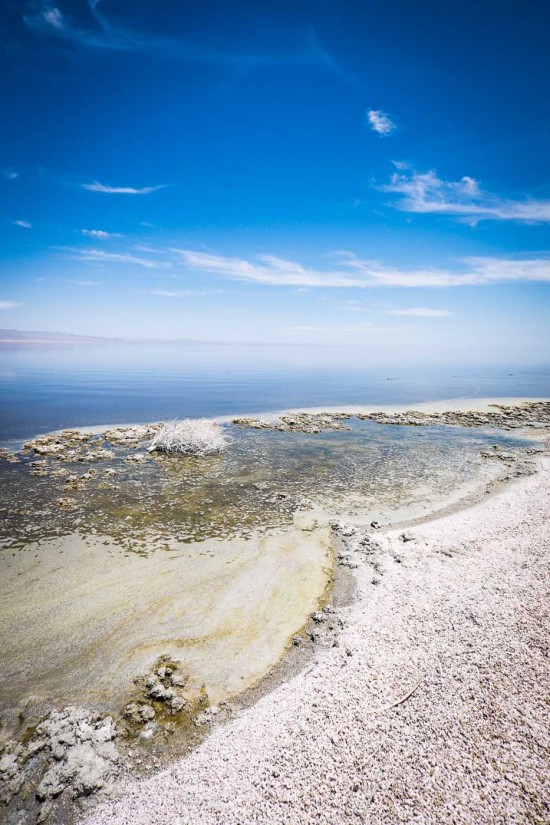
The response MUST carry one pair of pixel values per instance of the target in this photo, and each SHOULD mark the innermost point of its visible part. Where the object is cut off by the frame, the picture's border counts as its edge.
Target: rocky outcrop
(9, 456)
(83, 752)
(131, 436)
(534, 414)
(71, 751)
(299, 422)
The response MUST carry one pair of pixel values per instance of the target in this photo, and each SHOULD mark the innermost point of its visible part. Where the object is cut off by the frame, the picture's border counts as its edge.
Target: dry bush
(197, 436)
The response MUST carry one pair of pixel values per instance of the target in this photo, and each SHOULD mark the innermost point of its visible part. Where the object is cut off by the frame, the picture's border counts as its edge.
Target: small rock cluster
(299, 422)
(162, 687)
(326, 626)
(131, 436)
(74, 445)
(69, 445)
(207, 716)
(356, 546)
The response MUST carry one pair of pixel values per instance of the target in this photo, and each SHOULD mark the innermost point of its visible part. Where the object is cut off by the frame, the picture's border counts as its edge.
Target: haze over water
(47, 387)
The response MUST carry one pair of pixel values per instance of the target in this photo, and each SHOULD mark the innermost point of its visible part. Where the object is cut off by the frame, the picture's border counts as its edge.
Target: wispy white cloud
(121, 190)
(117, 258)
(10, 174)
(356, 272)
(102, 33)
(401, 164)
(100, 234)
(23, 224)
(380, 122)
(46, 19)
(268, 270)
(428, 193)
(181, 293)
(8, 305)
(88, 283)
(347, 329)
(421, 312)
(53, 17)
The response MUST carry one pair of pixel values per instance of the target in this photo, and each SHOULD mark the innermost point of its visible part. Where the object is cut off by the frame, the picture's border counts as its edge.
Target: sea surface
(44, 387)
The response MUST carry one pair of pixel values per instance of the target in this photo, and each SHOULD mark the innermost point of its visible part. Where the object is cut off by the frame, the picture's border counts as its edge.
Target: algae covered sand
(80, 619)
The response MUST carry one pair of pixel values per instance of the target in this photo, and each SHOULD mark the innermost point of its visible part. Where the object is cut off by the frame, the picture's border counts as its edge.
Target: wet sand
(101, 617)
(431, 708)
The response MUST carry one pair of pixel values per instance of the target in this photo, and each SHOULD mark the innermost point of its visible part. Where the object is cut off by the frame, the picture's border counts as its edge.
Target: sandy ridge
(462, 611)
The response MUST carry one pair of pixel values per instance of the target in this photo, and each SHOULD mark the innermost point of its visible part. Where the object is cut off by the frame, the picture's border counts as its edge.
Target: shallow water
(265, 477)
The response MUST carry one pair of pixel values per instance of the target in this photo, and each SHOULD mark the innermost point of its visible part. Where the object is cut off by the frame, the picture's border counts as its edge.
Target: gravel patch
(431, 707)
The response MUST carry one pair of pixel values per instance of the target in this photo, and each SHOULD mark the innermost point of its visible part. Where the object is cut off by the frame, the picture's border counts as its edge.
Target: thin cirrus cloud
(100, 256)
(100, 234)
(380, 122)
(427, 193)
(121, 190)
(181, 293)
(358, 273)
(48, 20)
(347, 329)
(421, 312)
(23, 224)
(5, 305)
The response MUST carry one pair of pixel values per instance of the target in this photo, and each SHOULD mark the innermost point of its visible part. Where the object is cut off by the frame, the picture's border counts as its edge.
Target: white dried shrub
(191, 437)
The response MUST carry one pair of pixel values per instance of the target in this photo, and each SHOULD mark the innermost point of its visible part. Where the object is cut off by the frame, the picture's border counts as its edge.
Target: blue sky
(367, 174)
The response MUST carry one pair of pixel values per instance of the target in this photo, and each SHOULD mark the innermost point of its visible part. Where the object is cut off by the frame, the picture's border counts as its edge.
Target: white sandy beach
(461, 614)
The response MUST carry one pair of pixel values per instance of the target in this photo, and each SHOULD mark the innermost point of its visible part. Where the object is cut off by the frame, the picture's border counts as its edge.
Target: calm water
(45, 387)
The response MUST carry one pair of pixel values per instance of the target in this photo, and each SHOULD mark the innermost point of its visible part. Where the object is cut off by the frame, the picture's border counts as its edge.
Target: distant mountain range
(15, 336)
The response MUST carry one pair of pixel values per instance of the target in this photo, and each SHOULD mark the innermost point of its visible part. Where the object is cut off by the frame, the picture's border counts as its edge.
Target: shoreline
(343, 595)
(461, 404)
(447, 553)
